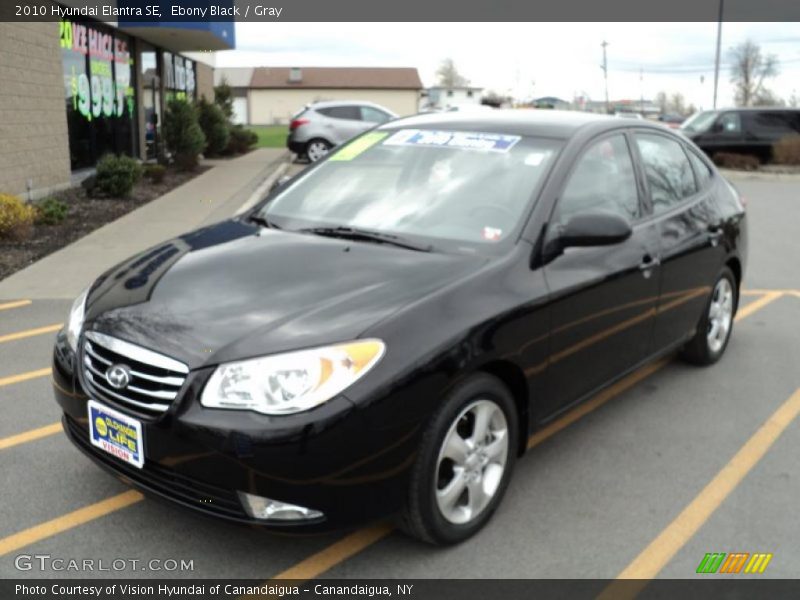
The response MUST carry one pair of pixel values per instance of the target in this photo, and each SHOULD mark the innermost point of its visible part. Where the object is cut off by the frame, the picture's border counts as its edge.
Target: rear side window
(701, 169)
(669, 174)
(603, 179)
(771, 125)
(341, 112)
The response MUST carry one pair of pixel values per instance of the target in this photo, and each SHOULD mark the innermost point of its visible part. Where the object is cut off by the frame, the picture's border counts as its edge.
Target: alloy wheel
(472, 461)
(720, 315)
(316, 150)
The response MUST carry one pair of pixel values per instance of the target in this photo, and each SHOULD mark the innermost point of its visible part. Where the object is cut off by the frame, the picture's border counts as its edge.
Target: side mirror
(279, 182)
(594, 229)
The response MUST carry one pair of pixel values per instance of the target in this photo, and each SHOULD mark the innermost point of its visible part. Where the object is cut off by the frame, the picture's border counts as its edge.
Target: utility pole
(641, 90)
(604, 66)
(716, 60)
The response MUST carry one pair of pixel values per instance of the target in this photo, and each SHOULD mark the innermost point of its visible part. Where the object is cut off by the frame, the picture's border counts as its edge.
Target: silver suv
(321, 126)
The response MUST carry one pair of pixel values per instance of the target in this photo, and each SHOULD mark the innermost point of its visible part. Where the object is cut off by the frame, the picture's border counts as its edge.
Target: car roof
(330, 103)
(754, 109)
(529, 122)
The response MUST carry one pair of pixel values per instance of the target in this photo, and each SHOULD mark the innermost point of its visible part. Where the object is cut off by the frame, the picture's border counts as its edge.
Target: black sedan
(382, 334)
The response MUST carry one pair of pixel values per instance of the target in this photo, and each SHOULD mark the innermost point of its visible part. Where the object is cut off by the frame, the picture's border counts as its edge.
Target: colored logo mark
(734, 563)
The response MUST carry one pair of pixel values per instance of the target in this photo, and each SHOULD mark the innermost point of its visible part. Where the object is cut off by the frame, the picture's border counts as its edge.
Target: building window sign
(179, 77)
(106, 89)
(99, 89)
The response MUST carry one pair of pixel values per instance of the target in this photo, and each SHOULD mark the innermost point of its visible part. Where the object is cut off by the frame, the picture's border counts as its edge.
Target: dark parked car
(383, 332)
(752, 131)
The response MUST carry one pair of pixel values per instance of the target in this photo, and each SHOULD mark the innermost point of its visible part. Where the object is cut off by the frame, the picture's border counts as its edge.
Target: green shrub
(52, 211)
(223, 97)
(242, 140)
(729, 160)
(16, 218)
(116, 175)
(155, 173)
(182, 132)
(215, 127)
(787, 151)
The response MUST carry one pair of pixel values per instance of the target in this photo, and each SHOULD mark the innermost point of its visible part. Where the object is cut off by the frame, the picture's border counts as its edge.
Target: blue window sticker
(459, 140)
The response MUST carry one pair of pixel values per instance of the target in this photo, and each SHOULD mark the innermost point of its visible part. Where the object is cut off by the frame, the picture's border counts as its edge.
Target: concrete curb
(262, 189)
(760, 176)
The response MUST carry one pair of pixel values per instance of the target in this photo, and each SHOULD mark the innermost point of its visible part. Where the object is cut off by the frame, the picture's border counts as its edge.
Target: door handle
(648, 264)
(715, 232)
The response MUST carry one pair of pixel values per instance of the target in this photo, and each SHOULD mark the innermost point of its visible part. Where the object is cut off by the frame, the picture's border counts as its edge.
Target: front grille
(154, 380)
(164, 481)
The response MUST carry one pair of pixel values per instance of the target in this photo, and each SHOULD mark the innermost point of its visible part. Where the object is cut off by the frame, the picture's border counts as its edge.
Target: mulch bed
(85, 215)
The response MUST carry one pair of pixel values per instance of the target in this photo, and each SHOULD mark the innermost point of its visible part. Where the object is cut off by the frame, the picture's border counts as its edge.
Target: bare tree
(677, 104)
(672, 103)
(662, 102)
(448, 76)
(749, 70)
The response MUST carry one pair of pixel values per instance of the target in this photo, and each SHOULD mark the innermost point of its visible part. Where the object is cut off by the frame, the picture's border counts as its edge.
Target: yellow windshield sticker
(356, 147)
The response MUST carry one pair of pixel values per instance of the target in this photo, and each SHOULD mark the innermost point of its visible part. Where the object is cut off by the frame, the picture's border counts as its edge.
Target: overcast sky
(531, 59)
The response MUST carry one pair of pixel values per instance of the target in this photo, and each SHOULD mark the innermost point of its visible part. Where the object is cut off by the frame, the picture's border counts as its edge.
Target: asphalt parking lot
(669, 464)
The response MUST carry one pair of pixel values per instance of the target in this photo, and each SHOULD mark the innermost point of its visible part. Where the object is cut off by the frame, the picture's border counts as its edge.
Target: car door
(724, 135)
(603, 298)
(689, 230)
(343, 122)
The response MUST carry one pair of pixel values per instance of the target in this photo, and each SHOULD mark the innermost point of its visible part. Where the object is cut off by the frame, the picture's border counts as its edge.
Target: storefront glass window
(100, 97)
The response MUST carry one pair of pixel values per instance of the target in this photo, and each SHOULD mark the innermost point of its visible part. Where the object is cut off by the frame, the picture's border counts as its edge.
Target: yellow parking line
(756, 305)
(759, 292)
(15, 304)
(66, 522)
(338, 552)
(661, 550)
(19, 335)
(24, 376)
(29, 436)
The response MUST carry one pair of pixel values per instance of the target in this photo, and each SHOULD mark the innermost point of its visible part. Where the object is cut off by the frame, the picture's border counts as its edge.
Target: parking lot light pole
(716, 60)
(604, 66)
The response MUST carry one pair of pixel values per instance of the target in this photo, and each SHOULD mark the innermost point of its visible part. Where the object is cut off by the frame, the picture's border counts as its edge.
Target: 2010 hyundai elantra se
(381, 335)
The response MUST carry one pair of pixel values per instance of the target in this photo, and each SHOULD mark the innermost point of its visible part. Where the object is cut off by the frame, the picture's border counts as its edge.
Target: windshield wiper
(352, 233)
(263, 221)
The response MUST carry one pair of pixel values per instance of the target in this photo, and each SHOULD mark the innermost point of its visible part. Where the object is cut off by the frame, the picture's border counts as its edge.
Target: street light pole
(604, 66)
(716, 60)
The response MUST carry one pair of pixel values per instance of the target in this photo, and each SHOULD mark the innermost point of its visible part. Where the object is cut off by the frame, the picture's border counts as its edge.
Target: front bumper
(327, 459)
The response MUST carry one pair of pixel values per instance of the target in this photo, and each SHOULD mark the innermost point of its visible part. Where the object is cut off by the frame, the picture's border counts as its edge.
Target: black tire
(422, 517)
(311, 149)
(699, 350)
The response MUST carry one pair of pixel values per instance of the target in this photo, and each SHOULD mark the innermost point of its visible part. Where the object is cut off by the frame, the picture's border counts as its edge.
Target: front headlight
(293, 382)
(75, 323)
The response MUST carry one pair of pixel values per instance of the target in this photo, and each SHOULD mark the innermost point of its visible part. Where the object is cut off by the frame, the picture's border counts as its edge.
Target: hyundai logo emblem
(118, 376)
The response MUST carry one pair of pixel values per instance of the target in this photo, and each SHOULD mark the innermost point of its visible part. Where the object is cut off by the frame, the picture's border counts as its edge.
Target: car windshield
(699, 122)
(446, 188)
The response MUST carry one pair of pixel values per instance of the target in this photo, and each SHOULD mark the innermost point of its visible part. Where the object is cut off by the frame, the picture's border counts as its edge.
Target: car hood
(235, 290)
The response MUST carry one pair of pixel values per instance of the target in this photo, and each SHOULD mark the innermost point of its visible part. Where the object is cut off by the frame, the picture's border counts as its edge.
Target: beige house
(276, 94)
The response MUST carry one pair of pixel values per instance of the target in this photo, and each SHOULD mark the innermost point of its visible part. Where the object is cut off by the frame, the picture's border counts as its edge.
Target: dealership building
(72, 91)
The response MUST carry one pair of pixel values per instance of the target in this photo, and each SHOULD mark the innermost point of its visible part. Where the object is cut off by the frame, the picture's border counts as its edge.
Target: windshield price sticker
(461, 140)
